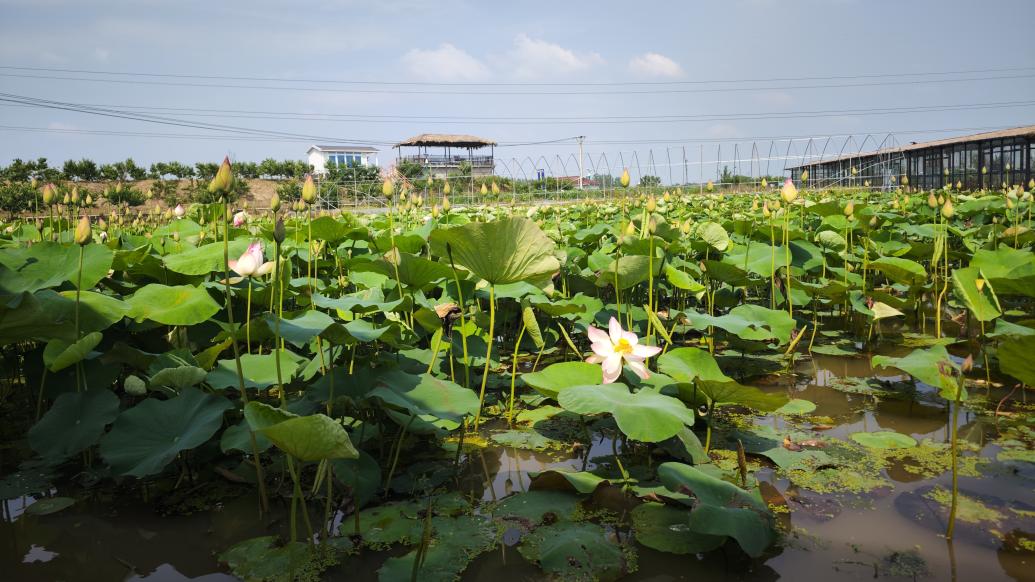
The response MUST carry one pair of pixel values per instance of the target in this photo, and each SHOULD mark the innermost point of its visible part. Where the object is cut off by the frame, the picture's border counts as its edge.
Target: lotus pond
(663, 386)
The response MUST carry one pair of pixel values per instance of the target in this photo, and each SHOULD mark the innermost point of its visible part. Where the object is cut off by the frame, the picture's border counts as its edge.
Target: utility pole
(580, 139)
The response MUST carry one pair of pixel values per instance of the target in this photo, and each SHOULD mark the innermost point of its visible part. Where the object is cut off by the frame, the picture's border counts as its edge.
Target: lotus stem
(488, 353)
(513, 374)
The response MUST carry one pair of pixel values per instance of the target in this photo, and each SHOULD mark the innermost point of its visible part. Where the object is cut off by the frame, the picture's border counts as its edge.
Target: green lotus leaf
(982, 303)
(574, 551)
(884, 440)
(97, 311)
(749, 322)
(60, 354)
(900, 270)
(49, 505)
(316, 437)
(715, 235)
(426, 395)
(176, 305)
(74, 422)
(681, 280)
(179, 377)
(147, 437)
(204, 259)
(1015, 358)
(504, 251)
(303, 328)
(362, 475)
(796, 406)
(562, 480)
(931, 366)
(259, 371)
(456, 541)
(262, 559)
(49, 264)
(553, 379)
(644, 416)
(667, 529)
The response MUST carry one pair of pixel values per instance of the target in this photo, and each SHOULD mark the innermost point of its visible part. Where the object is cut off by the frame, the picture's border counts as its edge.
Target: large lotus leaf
(147, 437)
(749, 322)
(49, 264)
(533, 507)
(981, 302)
(60, 354)
(884, 439)
(259, 371)
(316, 437)
(900, 270)
(926, 365)
(415, 271)
(1010, 271)
(27, 316)
(426, 395)
(326, 228)
(759, 258)
(644, 416)
(176, 305)
(707, 488)
(713, 234)
(362, 475)
(204, 259)
(632, 270)
(260, 415)
(363, 302)
(751, 529)
(681, 280)
(1015, 358)
(505, 251)
(667, 529)
(725, 271)
(725, 392)
(553, 379)
(562, 480)
(689, 364)
(574, 551)
(831, 240)
(262, 559)
(74, 422)
(1004, 328)
(303, 328)
(96, 310)
(178, 377)
(455, 542)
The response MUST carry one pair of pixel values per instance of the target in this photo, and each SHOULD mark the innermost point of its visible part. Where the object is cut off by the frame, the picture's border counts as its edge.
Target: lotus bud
(484, 189)
(855, 171)
(686, 227)
(932, 201)
(83, 234)
(754, 205)
(223, 179)
(849, 208)
(445, 204)
(89, 200)
(101, 224)
(49, 192)
(624, 180)
(495, 188)
(388, 188)
(905, 180)
(948, 211)
(945, 172)
(434, 211)
(279, 233)
(764, 183)
(866, 183)
(905, 200)
(652, 204)
(980, 284)
(941, 199)
(275, 202)
(176, 236)
(446, 189)
(984, 170)
(309, 189)
(74, 197)
(666, 196)
(66, 199)
(765, 209)
(1031, 184)
(149, 194)
(1009, 204)
(776, 205)
(179, 211)
(33, 183)
(709, 186)
(967, 365)
(789, 192)
(168, 214)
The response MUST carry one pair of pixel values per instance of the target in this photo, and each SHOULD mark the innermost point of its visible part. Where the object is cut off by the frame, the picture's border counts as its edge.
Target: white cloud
(446, 63)
(533, 58)
(655, 65)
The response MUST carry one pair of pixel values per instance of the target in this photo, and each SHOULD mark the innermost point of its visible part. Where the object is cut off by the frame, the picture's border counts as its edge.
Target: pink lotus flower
(239, 219)
(179, 211)
(615, 345)
(251, 264)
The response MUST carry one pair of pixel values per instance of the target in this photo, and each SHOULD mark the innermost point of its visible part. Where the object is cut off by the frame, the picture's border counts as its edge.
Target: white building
(322, 156)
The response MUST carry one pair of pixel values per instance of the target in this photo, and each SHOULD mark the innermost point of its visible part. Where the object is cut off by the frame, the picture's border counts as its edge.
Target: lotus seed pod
(223, 179)
(948, 211)
(83, 234)
(624, 180)
(789, 192)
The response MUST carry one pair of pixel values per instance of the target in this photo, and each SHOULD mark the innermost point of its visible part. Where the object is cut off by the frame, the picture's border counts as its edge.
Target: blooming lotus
(613, 346)
(239, 219)
(250, 264)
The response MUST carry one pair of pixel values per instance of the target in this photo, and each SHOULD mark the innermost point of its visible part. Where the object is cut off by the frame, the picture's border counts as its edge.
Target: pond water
(890, 526)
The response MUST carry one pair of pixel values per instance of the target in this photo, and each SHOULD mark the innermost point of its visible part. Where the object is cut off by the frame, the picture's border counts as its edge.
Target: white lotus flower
(250, 264)
(179, 211)
(615, 345)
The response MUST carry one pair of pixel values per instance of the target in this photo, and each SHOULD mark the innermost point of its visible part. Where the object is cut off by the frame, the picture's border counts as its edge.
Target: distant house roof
(446, 139)
(1027, 130)
(342, 148)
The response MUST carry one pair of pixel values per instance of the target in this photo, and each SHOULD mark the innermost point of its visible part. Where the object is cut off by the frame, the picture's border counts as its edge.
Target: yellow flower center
(623, 346)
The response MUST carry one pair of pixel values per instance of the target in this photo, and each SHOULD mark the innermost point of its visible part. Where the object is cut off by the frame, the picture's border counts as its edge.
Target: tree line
(86, 170)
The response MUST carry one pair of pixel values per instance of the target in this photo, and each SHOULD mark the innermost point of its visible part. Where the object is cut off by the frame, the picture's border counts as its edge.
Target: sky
(675, 89)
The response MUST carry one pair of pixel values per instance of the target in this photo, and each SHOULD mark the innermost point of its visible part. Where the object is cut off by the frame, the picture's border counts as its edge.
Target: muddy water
(893, 532)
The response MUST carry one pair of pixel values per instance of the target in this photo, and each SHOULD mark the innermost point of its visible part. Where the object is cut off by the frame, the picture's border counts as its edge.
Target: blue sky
(834, 56)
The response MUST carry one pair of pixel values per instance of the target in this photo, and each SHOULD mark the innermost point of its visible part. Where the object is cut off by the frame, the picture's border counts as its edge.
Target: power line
(515, 84)
(386, 91)
(551, 120)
